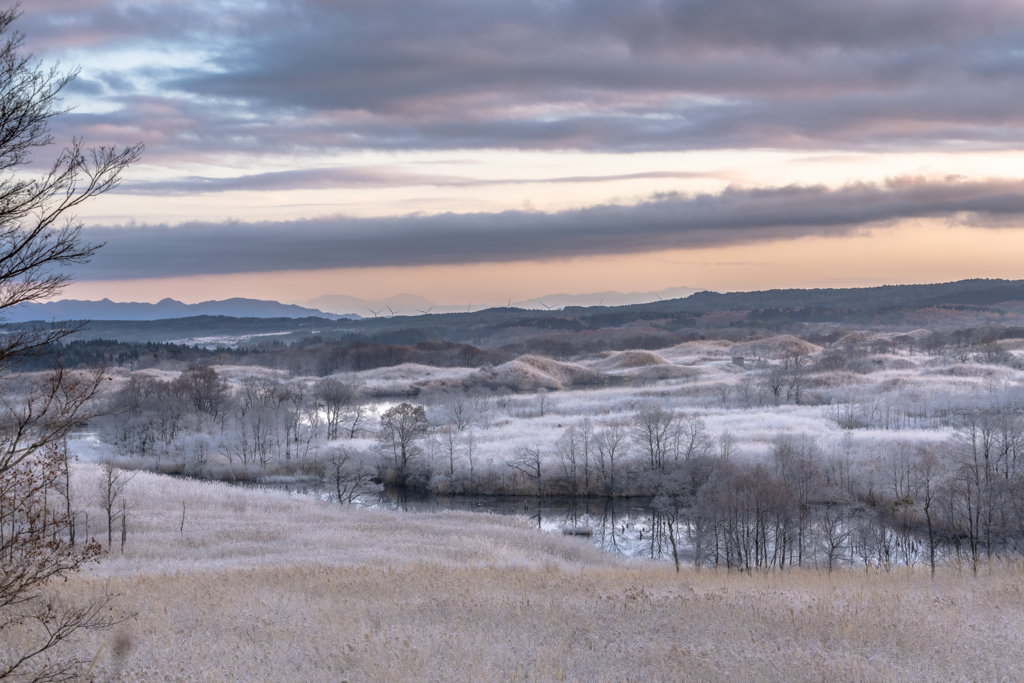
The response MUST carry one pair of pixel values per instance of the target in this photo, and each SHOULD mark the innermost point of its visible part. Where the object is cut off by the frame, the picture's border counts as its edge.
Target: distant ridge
(808, 305)
(413, 304)
(608, 298)
(71, 309)
(965, 303)
(974, 292)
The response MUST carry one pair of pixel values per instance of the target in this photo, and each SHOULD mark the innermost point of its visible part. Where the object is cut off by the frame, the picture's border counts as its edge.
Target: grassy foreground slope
(260, 586)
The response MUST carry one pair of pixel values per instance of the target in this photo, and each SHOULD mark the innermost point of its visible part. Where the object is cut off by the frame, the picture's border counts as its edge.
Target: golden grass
(262, 587)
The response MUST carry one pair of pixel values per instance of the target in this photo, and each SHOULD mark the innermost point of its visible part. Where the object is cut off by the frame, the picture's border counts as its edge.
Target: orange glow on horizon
(918, 252)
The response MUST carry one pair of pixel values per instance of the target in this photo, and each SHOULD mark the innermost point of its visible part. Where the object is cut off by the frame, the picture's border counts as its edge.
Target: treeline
(316, 356)
(965, 292)
(703, 311)
(960, 501)
(197, 419)
(934, 343)
(309, 356)
(131, 355)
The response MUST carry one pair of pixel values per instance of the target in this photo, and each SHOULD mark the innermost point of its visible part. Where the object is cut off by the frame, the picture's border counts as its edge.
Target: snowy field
(730, 400)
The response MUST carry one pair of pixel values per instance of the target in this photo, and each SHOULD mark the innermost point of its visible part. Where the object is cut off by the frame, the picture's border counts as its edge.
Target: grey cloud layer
(330, 178)
(585, 74)
(666, 222)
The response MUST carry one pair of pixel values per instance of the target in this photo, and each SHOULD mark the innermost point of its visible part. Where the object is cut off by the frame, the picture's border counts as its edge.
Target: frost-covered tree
(333, 397)
(610, 447)
(113, 500)
(348, 473)
(401, 427)
(205, 391)
(652, 432)
(529, 462)
(342, 405)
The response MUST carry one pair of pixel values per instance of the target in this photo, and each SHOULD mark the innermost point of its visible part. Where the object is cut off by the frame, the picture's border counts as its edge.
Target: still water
(628, 527)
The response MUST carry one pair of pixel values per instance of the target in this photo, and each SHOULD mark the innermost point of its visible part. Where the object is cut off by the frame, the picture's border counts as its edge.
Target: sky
(482, 150)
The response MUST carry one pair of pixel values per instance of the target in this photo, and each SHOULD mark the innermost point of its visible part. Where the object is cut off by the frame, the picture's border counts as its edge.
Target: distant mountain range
(331, 306)
(400, 304)
(70, 309)
(412, 304)
(793, 304)
(942, 306)
(605, 298)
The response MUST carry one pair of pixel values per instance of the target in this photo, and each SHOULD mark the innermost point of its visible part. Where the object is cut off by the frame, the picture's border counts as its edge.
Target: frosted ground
(893, 398)
(261, 586)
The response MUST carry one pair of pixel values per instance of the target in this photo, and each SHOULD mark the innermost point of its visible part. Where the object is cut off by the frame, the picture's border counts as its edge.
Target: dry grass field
(260, 586)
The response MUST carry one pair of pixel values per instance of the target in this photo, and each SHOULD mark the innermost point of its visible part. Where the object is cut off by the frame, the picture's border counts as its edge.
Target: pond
(625, 526)
(628, 527)
(632, 527)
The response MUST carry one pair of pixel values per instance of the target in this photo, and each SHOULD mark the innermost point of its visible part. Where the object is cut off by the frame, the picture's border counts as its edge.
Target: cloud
(665, 222)
(329, 178)
(304, 75)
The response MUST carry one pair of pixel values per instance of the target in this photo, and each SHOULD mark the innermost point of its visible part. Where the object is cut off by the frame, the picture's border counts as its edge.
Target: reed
(261, 586)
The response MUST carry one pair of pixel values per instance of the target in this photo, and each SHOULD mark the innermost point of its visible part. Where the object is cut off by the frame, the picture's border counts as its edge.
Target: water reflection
(625, 526)
(629, 527)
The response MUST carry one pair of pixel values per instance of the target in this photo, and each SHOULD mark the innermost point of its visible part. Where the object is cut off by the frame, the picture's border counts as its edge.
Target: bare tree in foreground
(39, 239)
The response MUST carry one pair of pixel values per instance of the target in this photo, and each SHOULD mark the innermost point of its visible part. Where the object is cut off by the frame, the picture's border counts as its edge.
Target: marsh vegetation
(258, 584)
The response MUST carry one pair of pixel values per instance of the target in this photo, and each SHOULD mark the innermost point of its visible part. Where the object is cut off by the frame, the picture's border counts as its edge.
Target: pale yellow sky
(914, 252)
(919, 251)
